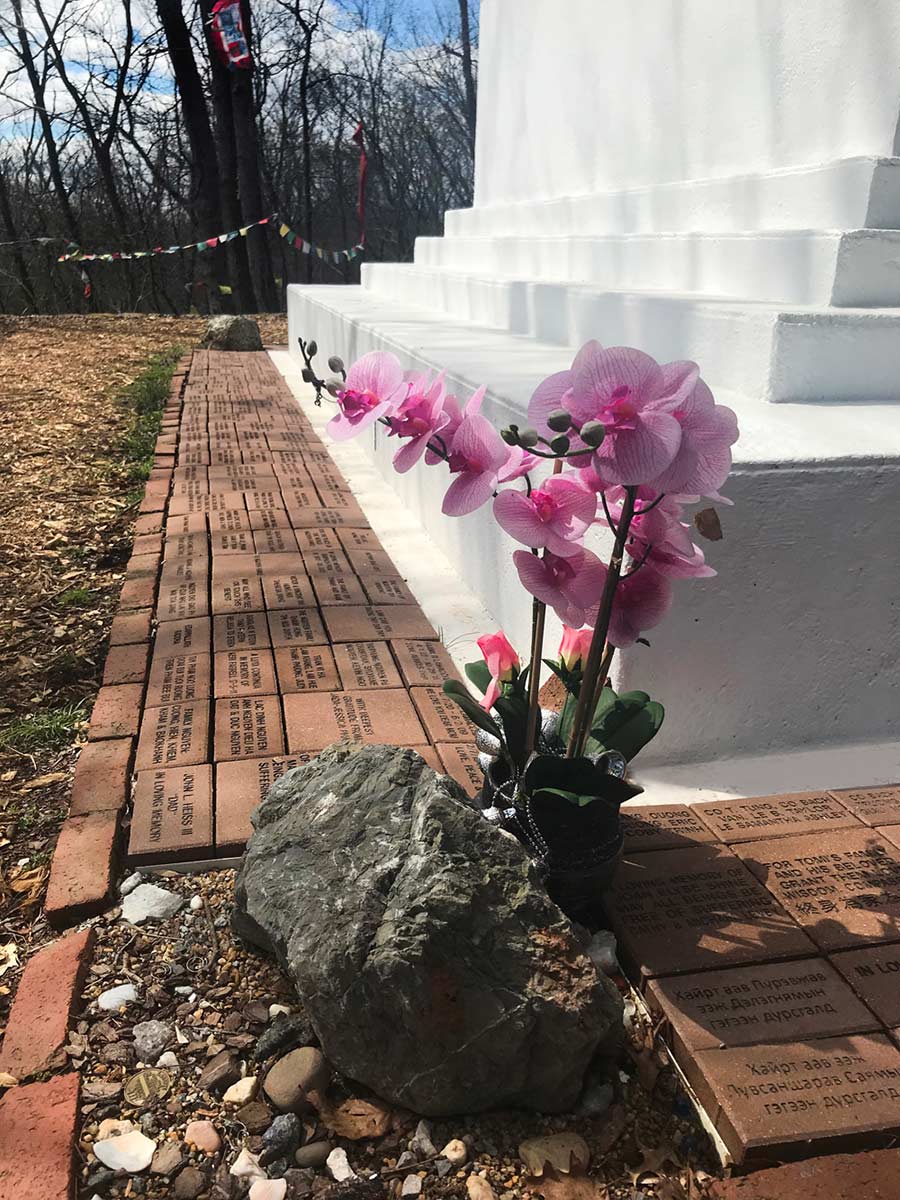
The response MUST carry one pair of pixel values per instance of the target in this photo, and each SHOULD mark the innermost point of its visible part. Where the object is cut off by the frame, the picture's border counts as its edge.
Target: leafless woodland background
(120, 130)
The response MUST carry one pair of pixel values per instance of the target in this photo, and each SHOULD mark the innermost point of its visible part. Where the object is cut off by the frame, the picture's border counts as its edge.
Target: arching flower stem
(584, 710)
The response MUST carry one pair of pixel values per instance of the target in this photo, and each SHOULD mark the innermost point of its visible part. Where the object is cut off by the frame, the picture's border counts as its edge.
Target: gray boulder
(232, 333)
(432, 964)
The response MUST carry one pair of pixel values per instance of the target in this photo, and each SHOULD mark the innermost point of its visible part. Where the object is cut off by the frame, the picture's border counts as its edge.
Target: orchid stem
(583, 710)
(538, 615)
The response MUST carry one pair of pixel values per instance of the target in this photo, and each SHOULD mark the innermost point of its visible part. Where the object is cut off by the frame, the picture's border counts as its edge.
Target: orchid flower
(708, 431)
(642, 600)
(570, 585)
(619, 388)
(503, 664)
(553, 515)
(419, 417)
(477, 454)
(373, 389)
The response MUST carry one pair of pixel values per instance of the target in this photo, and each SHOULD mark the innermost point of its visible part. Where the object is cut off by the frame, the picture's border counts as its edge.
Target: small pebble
(314, 1154)
(203, 1135)
(338, 1166)
(114, 998)
(246, 1166)
(129, 884)
(242, 1092)
(412, 1186)
(268, 1189)
(196, 903)
(455, 1152)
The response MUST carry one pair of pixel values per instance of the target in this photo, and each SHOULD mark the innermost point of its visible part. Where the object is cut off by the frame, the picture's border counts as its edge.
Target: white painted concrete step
(859, 192)
(351, 321)
(859, 268)
(795, 643)
(782, 354)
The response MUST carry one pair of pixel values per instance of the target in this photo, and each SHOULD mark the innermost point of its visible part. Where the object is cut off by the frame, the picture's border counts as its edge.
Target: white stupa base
(796, 644)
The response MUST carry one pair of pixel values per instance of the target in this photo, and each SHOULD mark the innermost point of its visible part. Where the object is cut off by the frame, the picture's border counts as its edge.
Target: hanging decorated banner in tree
(228, 35)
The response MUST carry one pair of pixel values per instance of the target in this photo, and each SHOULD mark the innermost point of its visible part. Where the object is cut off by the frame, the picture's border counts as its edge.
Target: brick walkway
(260, 621)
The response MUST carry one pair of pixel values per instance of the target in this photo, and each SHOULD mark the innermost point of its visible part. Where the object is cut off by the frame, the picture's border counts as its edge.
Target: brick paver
(260, 620)
(39, 1019)
(37, 1140)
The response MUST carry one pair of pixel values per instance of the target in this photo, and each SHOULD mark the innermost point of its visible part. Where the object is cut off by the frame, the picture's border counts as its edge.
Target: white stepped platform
(718, 183)
(797, 643)
(781, 353)
(808, 267)
(861, 192)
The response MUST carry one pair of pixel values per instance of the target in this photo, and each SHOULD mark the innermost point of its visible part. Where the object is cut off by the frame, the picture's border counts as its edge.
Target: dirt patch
(67, 502)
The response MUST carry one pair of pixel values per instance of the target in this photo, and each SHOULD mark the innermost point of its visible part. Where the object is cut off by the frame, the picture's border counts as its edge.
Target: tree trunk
(204, 193)
(12, 234)
(249, 173)
(220, 92)
(468, 71)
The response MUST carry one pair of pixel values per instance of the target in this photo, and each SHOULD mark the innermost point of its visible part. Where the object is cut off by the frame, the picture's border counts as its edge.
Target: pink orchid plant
(630, 443)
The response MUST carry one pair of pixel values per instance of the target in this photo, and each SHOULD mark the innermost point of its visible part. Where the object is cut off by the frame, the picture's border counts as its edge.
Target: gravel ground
(215, 998)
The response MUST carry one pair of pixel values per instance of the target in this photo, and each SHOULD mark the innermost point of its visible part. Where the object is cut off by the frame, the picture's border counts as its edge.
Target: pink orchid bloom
(642, 600)
(518, 463)
(618, 387)
(571, 585)
(373, 389)
(574, 646)
(419, 417)
(554, 515)
(659, 537)
(503, 664)
(708, 431)
(477, 454)
(455, 415)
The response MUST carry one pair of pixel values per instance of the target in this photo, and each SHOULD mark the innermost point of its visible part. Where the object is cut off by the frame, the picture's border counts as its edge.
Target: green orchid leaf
(480, 675)
(473, 710)
(513, 712)
(628, 726)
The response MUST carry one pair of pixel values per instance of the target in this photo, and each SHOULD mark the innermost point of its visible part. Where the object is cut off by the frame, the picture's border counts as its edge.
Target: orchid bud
(528, 438)
(306, 375)
(559, 421)
(312, 349)
(510, 436)
(592, 433)
(333, 387)
(336, 364)
(560, 444)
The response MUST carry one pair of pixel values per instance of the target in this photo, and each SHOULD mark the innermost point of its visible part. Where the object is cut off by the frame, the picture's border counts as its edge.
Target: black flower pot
(576, 848)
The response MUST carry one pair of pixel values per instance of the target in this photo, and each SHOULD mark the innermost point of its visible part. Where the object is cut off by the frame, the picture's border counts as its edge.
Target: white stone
(412, 1186)
(243, 1091)
(196, 903)
(455, 1152)
(268, 1189)
(338, 1166)
(149, 902)
(601, 951)
(246, 1166)
(755, 237)
(169, 1059)
(130, 883)
(131, 1152)
(275, 1009)
(114, 998)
